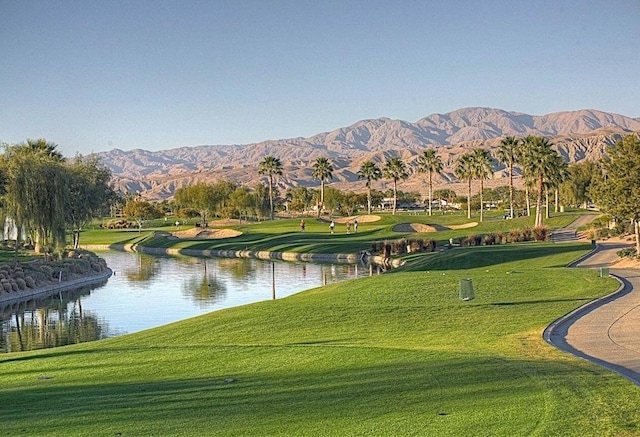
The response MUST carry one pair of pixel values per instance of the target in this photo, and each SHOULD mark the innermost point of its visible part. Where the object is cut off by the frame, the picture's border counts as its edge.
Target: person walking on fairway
(355, 225)
(302, 224)
(331, 226)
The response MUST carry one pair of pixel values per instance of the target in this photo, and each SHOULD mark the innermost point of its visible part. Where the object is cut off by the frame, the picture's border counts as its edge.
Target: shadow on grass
(485, 256)
(351, 391)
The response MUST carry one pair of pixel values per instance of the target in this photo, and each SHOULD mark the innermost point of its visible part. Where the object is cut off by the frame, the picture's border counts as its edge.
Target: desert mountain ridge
(577, 135)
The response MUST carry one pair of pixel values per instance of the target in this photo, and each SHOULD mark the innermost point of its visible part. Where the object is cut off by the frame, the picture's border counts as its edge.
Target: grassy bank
(397, 354)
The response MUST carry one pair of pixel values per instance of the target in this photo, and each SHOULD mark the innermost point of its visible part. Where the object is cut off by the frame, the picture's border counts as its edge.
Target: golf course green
(395, 354)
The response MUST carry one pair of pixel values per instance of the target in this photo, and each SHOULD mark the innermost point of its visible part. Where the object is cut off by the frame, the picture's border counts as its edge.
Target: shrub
(432, 245)
(629, 252)
(541, 233)
(30, 282)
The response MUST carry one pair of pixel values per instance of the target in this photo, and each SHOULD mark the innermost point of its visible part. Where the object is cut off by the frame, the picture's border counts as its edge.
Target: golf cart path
(605, 331)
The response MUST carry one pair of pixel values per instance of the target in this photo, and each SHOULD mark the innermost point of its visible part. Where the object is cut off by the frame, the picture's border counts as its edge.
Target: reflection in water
(143, 269)
(205, 289)
(148, 291)
(49, 322)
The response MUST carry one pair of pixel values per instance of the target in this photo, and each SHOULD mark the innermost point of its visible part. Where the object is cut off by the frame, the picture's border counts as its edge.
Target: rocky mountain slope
(577, 135)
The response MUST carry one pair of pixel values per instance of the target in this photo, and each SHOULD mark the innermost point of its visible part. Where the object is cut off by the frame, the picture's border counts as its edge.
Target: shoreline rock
(347, 258)
(50, 289)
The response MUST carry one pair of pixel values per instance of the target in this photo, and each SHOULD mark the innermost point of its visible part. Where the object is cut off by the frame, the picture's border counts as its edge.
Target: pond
(149, 291)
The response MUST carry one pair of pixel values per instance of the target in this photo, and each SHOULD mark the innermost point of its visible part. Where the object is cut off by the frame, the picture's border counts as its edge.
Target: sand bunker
(361, 218)
(206, 234)
(425, 228)
(464, 225)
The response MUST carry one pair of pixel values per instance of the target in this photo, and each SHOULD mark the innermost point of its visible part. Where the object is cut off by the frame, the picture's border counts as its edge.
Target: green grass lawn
(284, 235)
(396, 354)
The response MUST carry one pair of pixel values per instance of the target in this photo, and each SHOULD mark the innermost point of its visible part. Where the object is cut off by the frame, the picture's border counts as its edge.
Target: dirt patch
(206, 234)
(626, 264)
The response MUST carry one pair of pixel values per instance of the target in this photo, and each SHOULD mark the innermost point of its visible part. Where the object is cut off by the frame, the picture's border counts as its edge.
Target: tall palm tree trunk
(469, 200)
(271, 195)
(636, 226)
(546, 208)
(511, 190)
(481, 199)
(538, 221)
(395, 196)
(430, 192)
(369, 198)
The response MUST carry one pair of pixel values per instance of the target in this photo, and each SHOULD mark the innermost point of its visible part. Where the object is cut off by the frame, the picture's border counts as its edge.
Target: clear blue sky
(95, 75)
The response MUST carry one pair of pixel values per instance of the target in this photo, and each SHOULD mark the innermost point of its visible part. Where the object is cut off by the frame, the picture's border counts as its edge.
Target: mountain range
(577, 135)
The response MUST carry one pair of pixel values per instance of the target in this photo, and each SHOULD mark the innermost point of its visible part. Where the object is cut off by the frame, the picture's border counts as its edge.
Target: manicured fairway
(397, 354)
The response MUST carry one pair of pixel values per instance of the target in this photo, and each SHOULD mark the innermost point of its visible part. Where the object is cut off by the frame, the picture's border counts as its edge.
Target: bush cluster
(403, 246)
(513, 236)
(388, 248)
(119, 224)
(629, 252)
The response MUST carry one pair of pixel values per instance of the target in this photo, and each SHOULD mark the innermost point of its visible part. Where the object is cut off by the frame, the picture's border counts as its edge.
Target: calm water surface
(148, 291)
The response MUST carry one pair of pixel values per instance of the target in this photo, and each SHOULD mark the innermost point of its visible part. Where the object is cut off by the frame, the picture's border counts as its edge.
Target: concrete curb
(556, 333)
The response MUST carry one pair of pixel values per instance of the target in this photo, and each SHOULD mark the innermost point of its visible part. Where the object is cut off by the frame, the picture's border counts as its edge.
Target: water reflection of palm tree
(205, 289)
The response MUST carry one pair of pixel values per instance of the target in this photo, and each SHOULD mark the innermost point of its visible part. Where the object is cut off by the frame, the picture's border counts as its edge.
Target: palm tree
(464, 170)
(481, 169)
(323, 171)
(538, 161)
(560, 173)
(43, 146)
(430, 162)
(270, 166)
(395, 169)
(508, 155)
(371, 172)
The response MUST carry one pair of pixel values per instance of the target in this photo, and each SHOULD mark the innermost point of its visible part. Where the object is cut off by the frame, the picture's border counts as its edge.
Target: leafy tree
(430, 162)
(89, 193)
(36, 190)
(618, 193)
(261, 201)
(271, 166)
(508, 155)
(481, 169)
(395, 169)
(322, 171)
(200, 197)
(445, 194)
(464, 171)
(242, 202)
(141, 210)
(371, 172)
(221, 193)
(300, 198)
(333, 198)
(576, 188)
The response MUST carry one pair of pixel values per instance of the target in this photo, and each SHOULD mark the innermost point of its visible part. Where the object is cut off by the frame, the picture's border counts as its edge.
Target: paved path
(606, 331)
